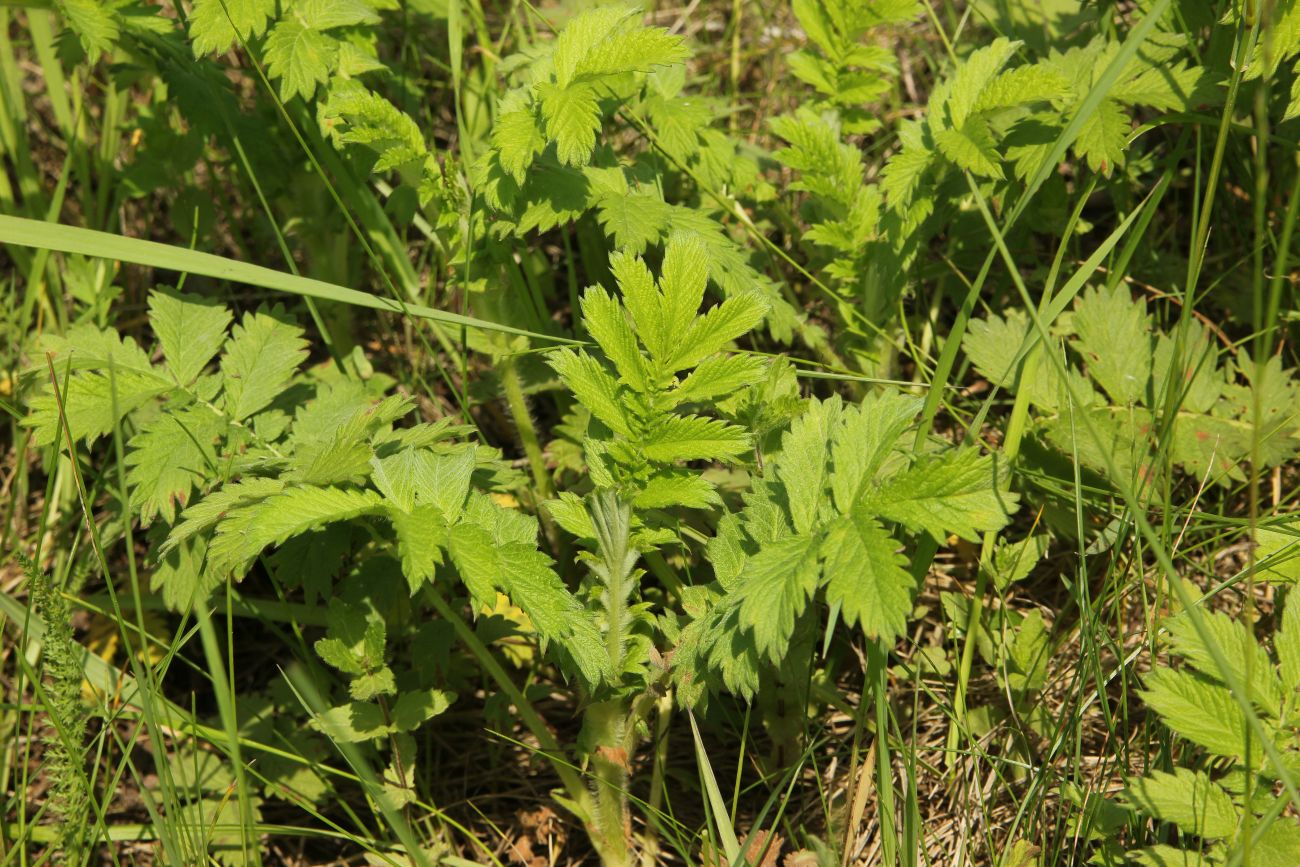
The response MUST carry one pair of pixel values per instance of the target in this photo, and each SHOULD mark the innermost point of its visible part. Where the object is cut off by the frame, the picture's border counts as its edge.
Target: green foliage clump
(1151, 396)
(1237, 703)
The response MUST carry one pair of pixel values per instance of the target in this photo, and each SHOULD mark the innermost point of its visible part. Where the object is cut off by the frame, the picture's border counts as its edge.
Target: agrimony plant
(1226, 803)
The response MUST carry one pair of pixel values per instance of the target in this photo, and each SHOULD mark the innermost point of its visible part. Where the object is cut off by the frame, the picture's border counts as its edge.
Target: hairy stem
(612, 723)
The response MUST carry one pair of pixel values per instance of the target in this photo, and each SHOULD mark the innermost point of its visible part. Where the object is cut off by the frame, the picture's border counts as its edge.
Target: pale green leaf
(633, 220)
(517, 136)
(694, 438)
(608, 326)
(866, 576)
(300, 57)
(570, 512)
(718, 377)
(1020, 86)
(1247, 661)
(955, 492)
(635, 49)
(216, 25)
(643, 301)
(242, 534)
(414, 707)
(260, 358)
(683, 279)
(720, 325)
(1287, 644)
(802, 465)
(94, 22)
(421, 536)
(172, 456)
(1190, 800)
(773, 590)
(572, 118)
(1104, 137)
(205, 514)
(973, 76)
(971, 147)
(582, 35)
(94, 403)
(1201, 711)
(328, 14)
(592, 387)
(190, 329)
(865, 439)
(1114, 337)
(682, 489)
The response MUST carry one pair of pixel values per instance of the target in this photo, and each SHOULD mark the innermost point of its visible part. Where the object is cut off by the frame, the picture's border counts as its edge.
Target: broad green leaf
(1103, 139)
(1277, 552)
(372, 121)
(190, 329)
(972, 77)
(216, 25)
(955, 492)
(592, 387)
(971, 147)
(866, 576)
(1279, 846)
(1114, 337)
(93, 21)
(1022, 85)
(170, 457)
(864, 440)
(94, 403)
(516, 134)
(1194, 377)
(205, 514)
(1248, 663)
(328, 14)
(582, 35)
(1201, 711)
(694, 438)
(635, 49)
(718, 377)
(572, 118)
(353, 722)
(415, 707)
(242, 534)
(643, 301)
(1190, 800)
(344, 457)
(683, 279)
(180, 576)
(260, 358)
(683, 489)
(608, 326)
(1013, 561)
(421, 536)
(299, 56)
(773, 590)
(711, 332)
(570, 512)
(1286, 641)
(802, 465)
(524, 574)
(371, 684)
(633, 220)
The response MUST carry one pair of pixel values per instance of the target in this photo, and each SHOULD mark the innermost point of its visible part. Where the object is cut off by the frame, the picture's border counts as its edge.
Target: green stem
(613, 722)
(1011, 448)
(512, 386)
